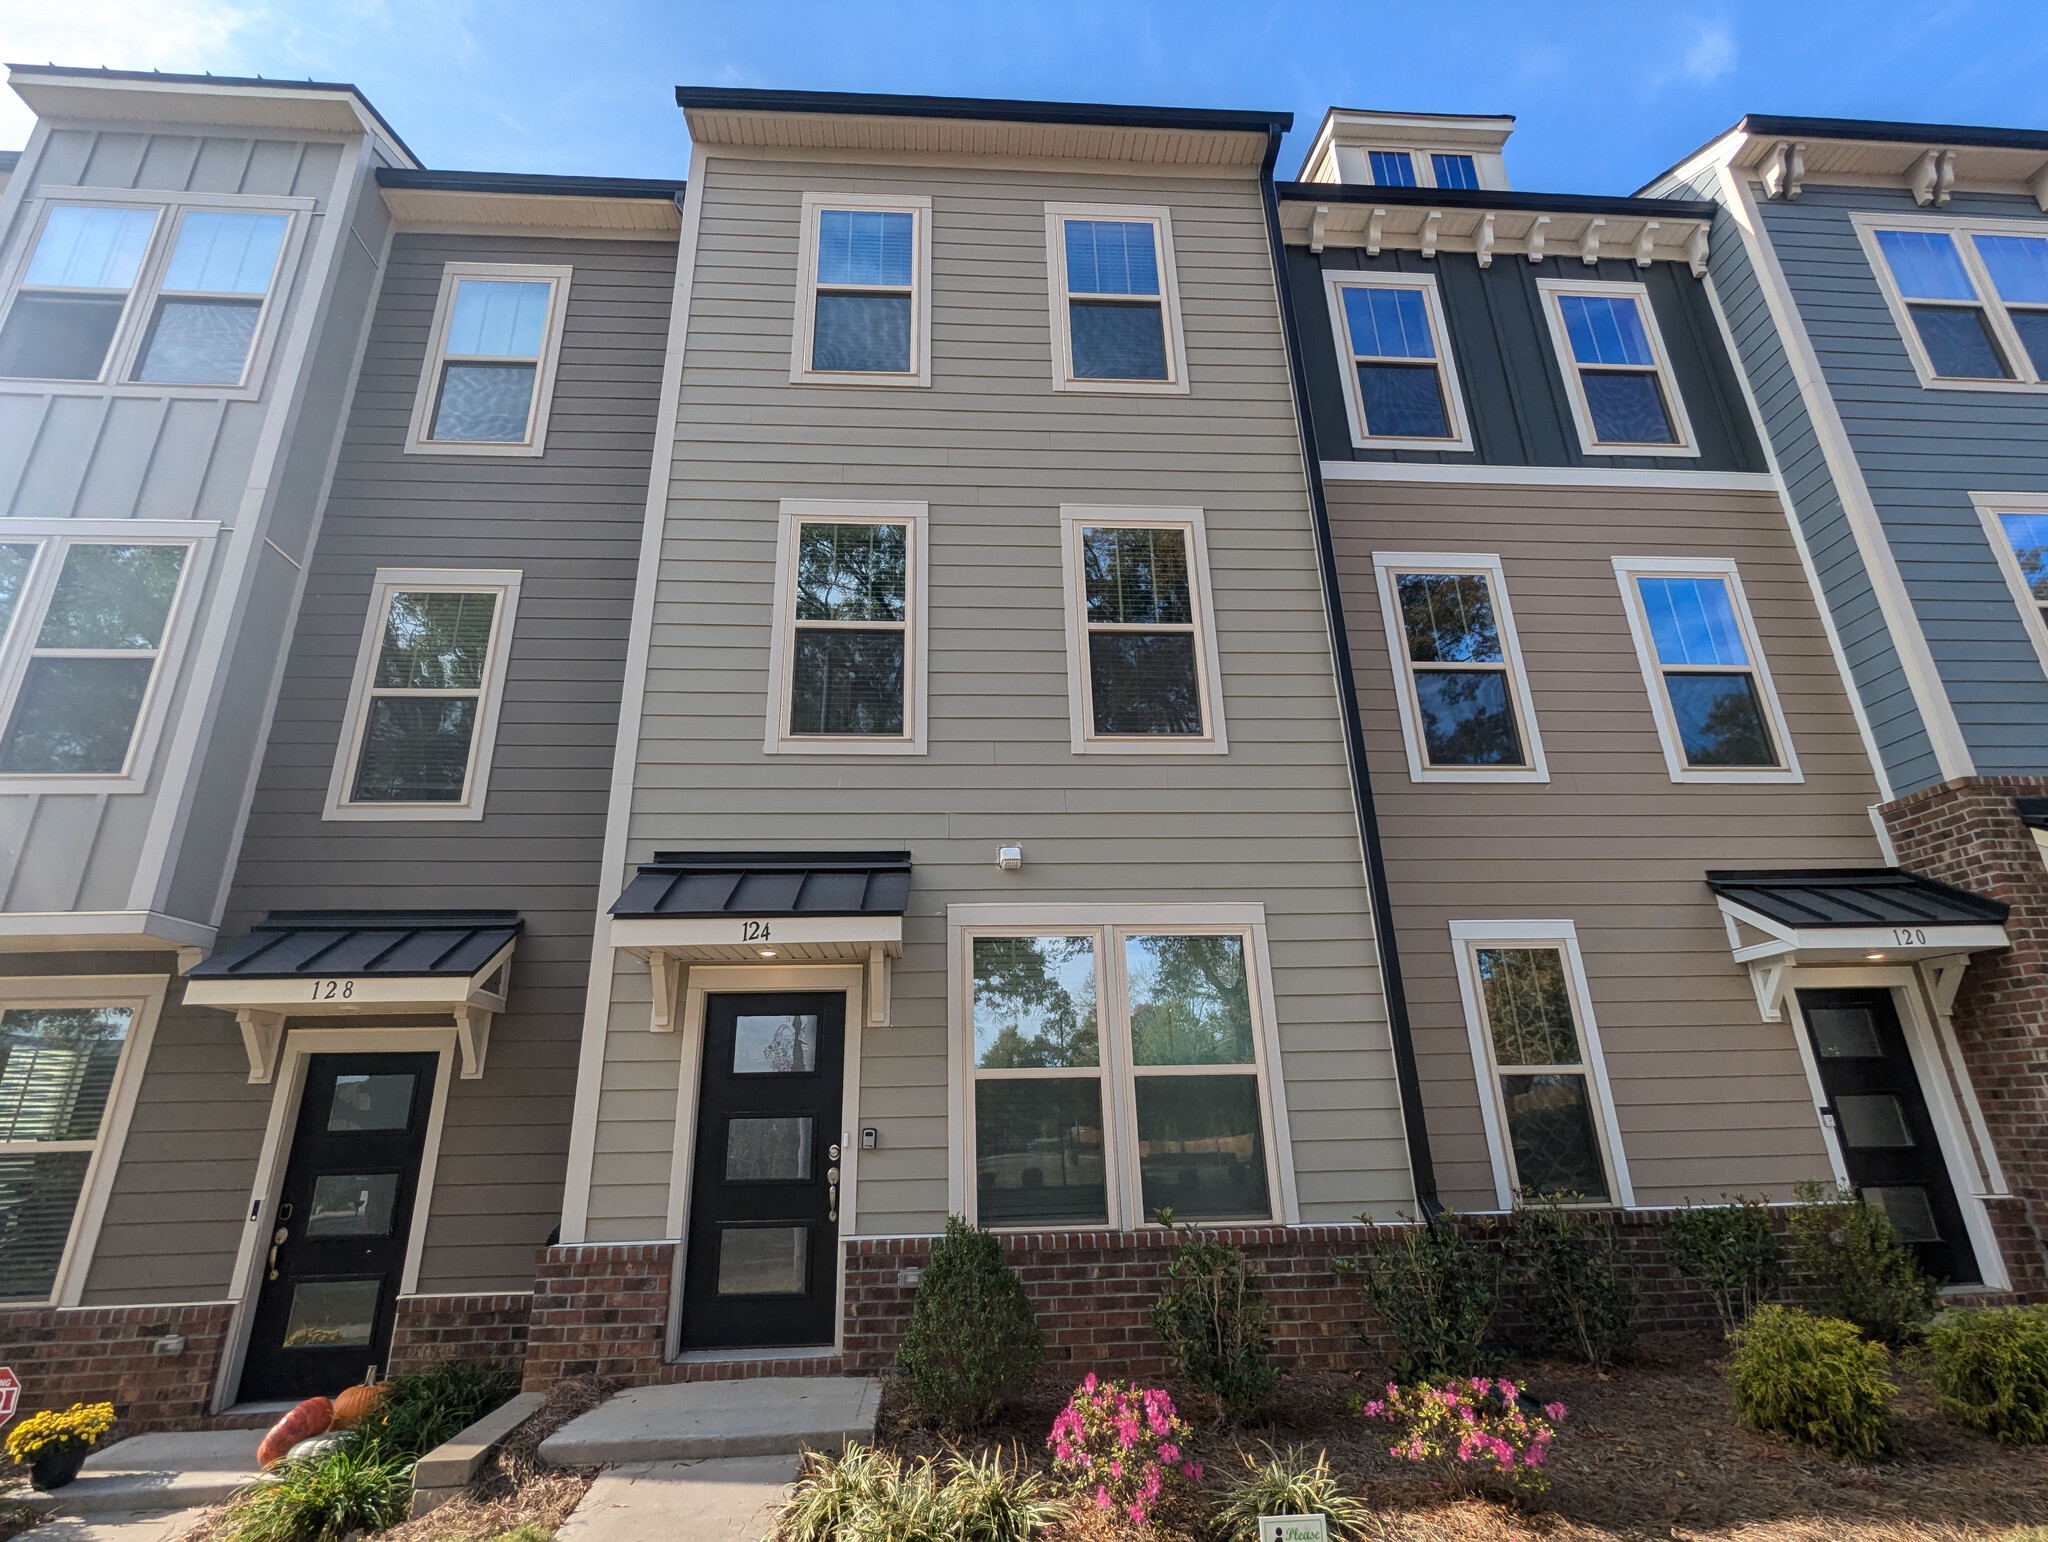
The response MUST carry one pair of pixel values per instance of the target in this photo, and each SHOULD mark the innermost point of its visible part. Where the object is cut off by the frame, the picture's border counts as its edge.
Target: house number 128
(333, 990)
(753, 931)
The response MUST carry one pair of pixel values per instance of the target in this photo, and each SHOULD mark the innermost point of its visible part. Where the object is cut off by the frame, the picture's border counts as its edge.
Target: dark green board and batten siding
(1514, 391)
(570, 521)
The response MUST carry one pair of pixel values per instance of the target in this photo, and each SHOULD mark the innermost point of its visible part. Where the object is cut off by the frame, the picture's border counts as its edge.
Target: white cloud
(1711, 54)
(183, 36)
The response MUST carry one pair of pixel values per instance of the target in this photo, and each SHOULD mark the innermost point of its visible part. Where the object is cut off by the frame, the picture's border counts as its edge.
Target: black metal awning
(303, 944)
(1828, 898)
(2033, 812)
(758, 884)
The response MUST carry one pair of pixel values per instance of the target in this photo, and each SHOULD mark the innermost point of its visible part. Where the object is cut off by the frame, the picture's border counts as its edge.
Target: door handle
(831, 1193)
(277, 1240)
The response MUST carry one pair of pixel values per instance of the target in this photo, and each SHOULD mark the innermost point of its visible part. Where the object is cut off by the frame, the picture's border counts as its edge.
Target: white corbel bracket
(2037, 184)
(1589, 243)
(1775, 169)
(1646, 242)
(1696, 251)
(668, 972)
(1429, 230)
(1944, 977)
(1319, 227)
(262, 1037)
(473, 1038)
(1795, 170)
(1536, 232)
(1485, 243)
(1375, 228)
(1767, 979)
(1921, 179)
(878, 987)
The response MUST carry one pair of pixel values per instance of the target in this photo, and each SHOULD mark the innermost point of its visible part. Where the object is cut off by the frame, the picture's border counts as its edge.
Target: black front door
(764, 1200)
(1880, 1117)
(335, 1251)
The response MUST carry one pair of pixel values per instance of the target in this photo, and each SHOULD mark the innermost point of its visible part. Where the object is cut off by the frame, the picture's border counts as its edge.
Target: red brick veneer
(448, 1327)
(94, 1354)
(1969, 834)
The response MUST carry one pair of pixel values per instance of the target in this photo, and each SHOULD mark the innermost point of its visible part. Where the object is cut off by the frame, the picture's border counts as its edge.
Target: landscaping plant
(322, 1499)
(973, 1344)
(1991, 1370)
(1732, 1251)
(1816, 1380)
(986, 1501)
(419, 1410)
(1435, 1292)
(1854, 1260)
(1119, 1447)
(1577, 1290)
(1212, 1320)
(873, 1496)
(1289, 1484)
(53, 1445)
(1473, 1423)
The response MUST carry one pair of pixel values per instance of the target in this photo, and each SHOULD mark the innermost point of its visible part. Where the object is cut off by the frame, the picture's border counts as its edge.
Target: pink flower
(1116, 1469)
(1138, 1513)
(1554, 1411)
(1168, 1451)
(1194, 1471)
(1101, 1498)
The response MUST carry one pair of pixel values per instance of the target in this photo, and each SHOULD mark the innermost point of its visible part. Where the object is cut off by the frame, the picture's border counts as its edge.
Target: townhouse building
(1884, 284)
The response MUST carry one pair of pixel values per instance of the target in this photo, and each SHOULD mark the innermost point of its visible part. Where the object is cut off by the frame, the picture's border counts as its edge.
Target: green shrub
(322, 1499)
(1814, 1379)
(1732, 1251)
(423, 1408)
(1289, 1484)
(1577, 1289)
(1435, 1291)
(1991, 1369)
(1212, 1320)
(867, 1495)
(972, 1345)
(1853, 1258)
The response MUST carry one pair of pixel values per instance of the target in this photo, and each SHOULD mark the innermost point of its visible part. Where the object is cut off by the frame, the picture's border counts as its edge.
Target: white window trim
(1467, 937)
(803, 332)
(428, 389)
(504, 583)
(1989, 506)
(2027, 379)
(1335, 282)
(1385, 566)
(1080, 703)
(143, 995)
(778, 740)
(1109, 925)
(1063, 376)
(1626, 571)
(52, 537)
(1575, 387)
(124, 351)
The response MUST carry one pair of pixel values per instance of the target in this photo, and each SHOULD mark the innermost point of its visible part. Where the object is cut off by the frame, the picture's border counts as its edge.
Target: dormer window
(1392, 168)
(1455, 171)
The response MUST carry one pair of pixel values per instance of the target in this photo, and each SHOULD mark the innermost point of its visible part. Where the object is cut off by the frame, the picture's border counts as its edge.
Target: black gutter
(1871, 130)
(862, 104)
(652, 188)
(1493, 198)
(1415, 1126)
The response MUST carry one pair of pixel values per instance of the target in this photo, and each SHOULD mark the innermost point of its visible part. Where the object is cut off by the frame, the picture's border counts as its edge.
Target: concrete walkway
(731, 1499)
(147, 1488)
(705, 1420)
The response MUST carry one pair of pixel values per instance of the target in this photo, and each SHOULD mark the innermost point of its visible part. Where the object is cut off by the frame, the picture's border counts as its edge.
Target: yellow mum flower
(81, 1424)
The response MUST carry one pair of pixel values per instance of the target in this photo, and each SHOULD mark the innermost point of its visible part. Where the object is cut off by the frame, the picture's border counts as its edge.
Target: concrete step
(153, 1474)
(694, 1421)
(120, 1526)
(729, 1499)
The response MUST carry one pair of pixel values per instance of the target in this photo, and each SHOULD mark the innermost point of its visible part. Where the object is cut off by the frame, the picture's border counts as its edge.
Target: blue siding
(1922, 453)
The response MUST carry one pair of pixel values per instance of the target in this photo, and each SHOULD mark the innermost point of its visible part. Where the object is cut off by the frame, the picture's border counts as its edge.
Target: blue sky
(1607, 94)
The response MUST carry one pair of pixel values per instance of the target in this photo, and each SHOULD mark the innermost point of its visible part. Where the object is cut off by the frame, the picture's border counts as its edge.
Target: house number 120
(1908, 937)
(331, 990)
(753, 931)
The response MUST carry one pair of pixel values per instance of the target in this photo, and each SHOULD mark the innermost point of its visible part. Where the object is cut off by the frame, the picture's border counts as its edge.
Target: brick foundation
(96, 1354)
(452, 1327)
(1968, 833)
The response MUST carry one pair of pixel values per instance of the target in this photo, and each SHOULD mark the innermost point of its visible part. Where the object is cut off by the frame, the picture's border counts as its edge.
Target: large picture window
(488, 380)
(1117, 1071)
(1115, 299)
(1401, 383)
(864, 291)
(1624, 395)
(422, 717)
(1970, 297)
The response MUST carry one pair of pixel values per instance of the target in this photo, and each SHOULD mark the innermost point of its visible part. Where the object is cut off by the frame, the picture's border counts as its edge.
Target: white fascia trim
(1989, 506)
(1335, 282)
(1564, 935)
(597, 994)
(1859, 509)
(802, 333)
(1063, 376)
(795, 512)
(1385, 565)
(1626, 571)
(1573, 372)
(557, 278)
(1545, 476)
(502, 582)
(124, 929)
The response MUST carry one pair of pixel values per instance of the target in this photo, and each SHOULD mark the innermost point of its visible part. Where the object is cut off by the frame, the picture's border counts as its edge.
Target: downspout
(1407, 1078)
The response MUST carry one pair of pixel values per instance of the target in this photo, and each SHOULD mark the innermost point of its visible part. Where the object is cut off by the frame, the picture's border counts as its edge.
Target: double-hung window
(2016, 524)
(1116, 1071)
(1464, 696)
(864, 300)
(847, 662)
(1115, 299)
(1140, 631)
(164, 293)
(65, 1090)
(1710, 689)
(1401, 384)
(423, 713)
(1971, 300)
(1543, 1085)
(87, 620)
(488, 380)
(1625, 399)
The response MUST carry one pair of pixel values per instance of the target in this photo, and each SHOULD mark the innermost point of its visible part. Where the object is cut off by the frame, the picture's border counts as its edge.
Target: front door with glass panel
(764, 1202)
(1881, 1122)
(334, 1255)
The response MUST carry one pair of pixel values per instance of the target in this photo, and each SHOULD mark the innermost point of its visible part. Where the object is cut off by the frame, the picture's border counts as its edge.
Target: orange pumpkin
(312, 1417)
(355, 1404)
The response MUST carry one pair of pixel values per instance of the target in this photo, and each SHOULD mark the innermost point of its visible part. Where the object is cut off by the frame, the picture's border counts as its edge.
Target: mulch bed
(1652, 1450)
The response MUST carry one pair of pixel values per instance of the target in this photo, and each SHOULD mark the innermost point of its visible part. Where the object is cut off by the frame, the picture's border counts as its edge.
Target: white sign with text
(1294, 1528)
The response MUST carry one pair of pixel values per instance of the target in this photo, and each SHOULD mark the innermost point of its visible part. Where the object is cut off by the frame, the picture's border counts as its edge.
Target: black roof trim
(2033, 812)
(864, 104)
(679, 884)
(1494, 198)
(296, 944)
(657, 188)
(81, 71)
(1947, 135)
(1822, 898)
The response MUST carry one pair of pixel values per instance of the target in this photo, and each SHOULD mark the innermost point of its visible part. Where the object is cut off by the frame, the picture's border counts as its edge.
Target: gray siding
(995, 451)
(1922, 453)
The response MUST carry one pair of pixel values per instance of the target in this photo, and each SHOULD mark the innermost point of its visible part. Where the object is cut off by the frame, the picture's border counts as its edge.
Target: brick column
(1968, 833)
(599, 1309)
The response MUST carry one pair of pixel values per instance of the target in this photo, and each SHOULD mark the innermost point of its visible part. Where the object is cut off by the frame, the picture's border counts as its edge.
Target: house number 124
(753, 931)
